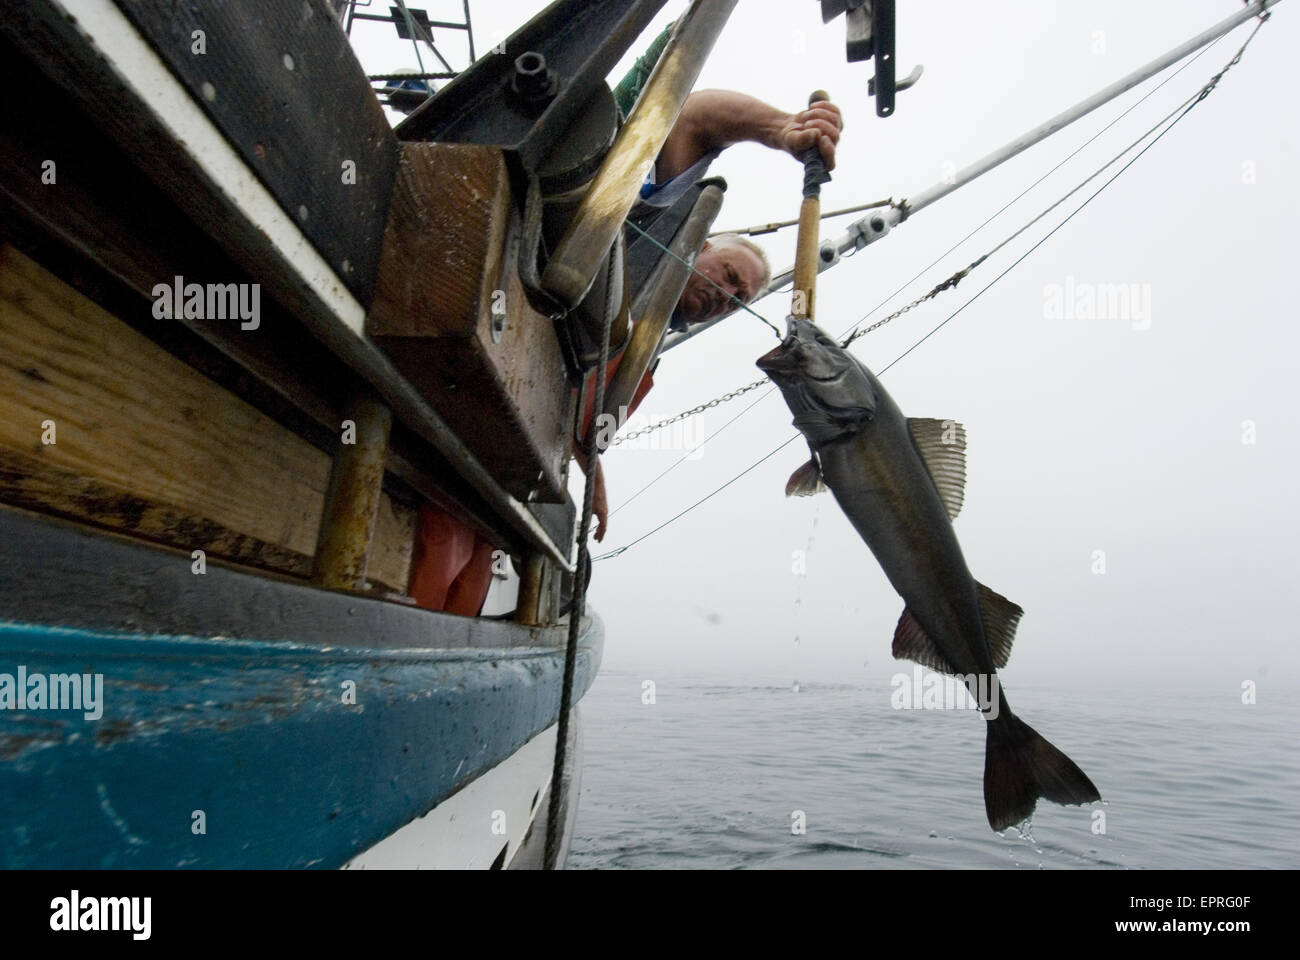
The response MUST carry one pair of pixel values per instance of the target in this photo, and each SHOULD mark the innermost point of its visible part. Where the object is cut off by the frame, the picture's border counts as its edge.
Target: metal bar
(352, 501)
(1066, 117)
(758, 229)
(617, 184)
(469, 32)
(528, 606)
(649, 330)
(872, 227)
(444, 24)
(411, 76)
(418, 33)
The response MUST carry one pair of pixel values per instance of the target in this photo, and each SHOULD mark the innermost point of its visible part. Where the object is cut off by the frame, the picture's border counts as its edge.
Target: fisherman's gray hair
(736, 240)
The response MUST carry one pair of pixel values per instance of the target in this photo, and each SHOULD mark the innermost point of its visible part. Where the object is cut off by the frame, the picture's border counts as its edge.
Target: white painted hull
(496, 821)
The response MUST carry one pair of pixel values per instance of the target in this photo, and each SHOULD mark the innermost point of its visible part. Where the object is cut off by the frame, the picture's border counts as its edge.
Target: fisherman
(452, 565)
(730, 269)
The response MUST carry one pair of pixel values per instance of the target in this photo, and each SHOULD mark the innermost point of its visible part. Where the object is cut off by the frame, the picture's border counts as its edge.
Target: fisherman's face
(737, 270)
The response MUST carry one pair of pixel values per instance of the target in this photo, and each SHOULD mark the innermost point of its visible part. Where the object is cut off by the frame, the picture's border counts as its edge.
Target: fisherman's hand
(818, 126)
(599, 503)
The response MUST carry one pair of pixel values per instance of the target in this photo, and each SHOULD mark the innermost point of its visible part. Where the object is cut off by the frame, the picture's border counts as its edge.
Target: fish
(901, 482)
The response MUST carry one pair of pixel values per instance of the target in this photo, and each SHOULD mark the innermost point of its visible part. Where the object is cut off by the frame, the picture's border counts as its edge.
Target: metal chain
(948, 284)
(659, 425)
(689, 413)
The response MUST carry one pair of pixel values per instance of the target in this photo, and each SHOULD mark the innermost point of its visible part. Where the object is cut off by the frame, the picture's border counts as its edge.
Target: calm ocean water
(711, 774)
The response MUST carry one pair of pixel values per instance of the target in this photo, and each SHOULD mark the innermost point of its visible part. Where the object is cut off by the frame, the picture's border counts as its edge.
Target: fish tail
(1020, 766)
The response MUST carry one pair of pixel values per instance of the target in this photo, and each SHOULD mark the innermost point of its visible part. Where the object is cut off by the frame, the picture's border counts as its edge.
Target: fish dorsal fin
(942, 446)
(806, 481)
(912, 643)
(1001, 617)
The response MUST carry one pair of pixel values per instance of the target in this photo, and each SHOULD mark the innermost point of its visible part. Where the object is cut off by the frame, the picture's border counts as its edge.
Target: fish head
(828, 391)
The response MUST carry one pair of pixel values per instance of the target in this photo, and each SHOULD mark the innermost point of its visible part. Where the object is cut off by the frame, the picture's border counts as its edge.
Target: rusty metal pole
(528, 606)
(352, 500)
(648, 333)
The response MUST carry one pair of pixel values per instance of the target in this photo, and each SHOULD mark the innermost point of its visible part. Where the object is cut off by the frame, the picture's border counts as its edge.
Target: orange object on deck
(451, 569)
(452, 566)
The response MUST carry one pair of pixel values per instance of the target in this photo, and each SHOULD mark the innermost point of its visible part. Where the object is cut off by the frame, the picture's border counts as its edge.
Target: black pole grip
(814, 165)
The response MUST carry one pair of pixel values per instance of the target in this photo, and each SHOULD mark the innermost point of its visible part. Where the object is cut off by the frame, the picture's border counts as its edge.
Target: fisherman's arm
(599, 499)
(717, 119)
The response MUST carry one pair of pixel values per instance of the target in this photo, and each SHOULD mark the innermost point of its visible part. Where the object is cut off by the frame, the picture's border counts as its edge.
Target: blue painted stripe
(257, 736)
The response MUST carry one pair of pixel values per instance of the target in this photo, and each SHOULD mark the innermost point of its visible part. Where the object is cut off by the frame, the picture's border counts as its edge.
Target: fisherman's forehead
(735, 255)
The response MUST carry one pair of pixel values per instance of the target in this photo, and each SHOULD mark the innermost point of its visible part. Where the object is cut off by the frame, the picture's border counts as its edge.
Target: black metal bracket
(870, 32)
(525, 107)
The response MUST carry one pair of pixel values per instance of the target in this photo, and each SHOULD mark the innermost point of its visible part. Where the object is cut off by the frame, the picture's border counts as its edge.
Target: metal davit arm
(648, 333)
(617, 185)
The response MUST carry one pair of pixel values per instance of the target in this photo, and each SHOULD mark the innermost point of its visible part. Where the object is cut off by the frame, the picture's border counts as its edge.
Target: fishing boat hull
(249, 722)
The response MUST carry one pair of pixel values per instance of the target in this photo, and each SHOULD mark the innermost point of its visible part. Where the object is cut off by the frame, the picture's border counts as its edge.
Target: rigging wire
(735, 393)
(960, 274)
(1185, 110)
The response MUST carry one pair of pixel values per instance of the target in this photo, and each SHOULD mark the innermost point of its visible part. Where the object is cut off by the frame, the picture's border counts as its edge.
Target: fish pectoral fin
(1001, 617)
(806, 481)
(911, 642)
(942, 446)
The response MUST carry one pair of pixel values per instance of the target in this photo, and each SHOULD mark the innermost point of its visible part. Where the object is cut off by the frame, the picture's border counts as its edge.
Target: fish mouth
(778, 358)
(786, 356)
(781, 357)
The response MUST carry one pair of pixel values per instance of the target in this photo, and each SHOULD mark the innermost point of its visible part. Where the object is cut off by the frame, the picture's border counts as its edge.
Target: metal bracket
(869, 26)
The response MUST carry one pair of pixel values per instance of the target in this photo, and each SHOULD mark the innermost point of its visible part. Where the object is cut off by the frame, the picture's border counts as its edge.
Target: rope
(691, 267)
(580, 583)
(1186, 108)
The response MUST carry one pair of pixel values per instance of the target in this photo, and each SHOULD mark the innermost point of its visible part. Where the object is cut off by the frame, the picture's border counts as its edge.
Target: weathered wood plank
(118, 85)
(31, 483)
(448, 265)
(105, 228)
(137, 425)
